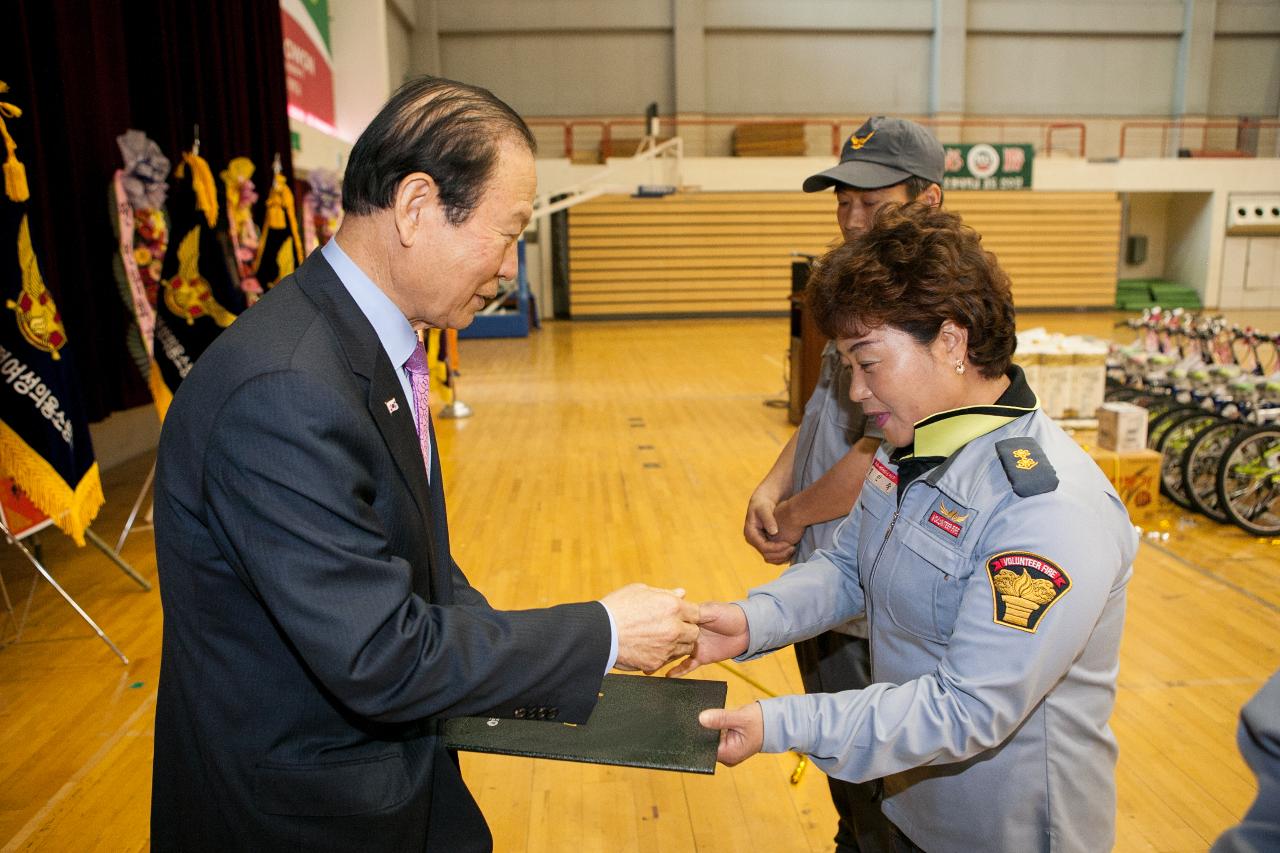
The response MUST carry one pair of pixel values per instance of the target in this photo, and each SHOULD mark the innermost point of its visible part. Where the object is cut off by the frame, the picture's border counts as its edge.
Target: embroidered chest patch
(1023, 588)
(882, 477)
(949, 517)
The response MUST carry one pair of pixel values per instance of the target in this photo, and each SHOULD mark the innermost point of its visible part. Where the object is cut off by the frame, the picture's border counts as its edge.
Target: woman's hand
(741, 732)
(722, 634)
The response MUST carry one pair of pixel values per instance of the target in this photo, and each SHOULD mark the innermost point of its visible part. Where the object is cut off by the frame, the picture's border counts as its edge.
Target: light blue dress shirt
(399, 341)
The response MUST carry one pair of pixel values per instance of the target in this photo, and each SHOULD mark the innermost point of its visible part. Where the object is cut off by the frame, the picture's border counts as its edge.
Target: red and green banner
(308, 61)
(988, 166)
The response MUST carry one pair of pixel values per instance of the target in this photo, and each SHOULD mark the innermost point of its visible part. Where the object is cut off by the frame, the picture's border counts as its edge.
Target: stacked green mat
(1135, 294)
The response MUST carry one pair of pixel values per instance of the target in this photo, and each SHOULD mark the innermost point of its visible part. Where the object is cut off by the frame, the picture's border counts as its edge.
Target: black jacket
(316, 628)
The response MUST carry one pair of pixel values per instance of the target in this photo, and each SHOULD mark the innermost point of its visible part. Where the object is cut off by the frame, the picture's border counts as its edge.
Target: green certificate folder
(639, 721)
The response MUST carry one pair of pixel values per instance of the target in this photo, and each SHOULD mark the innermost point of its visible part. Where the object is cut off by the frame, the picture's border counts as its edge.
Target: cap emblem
(856, 142)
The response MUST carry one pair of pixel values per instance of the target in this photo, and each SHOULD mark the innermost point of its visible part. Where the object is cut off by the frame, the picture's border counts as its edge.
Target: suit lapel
(386, 402)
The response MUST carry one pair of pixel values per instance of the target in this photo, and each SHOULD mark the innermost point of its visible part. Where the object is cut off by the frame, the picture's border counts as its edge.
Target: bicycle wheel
(1121, 394)
(1249, 481)
(1200, 463)
(1159, 423)
(1172, 446)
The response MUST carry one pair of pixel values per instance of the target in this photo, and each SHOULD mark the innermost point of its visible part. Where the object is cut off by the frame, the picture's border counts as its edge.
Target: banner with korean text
(44, 436)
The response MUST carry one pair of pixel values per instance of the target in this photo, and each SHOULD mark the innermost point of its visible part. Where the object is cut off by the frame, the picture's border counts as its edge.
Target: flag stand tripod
(133, 513)
(16, 541)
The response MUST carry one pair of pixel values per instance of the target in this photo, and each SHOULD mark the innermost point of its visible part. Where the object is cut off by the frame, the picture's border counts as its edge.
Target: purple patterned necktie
(420, 379)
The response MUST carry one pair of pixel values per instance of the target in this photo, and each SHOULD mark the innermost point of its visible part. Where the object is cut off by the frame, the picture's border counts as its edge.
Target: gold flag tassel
(202, 182)
(15, 174)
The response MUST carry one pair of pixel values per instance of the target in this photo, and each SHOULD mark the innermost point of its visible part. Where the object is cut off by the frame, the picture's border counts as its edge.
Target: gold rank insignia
(856, 142)
(1023, 588)
(949, 519)
(1025, 462)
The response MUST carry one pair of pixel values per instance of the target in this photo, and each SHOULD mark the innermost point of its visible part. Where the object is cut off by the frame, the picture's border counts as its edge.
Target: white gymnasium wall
(566, 73)
(956, 58)
(1245, 79)
(817, 72)
(1051, 74)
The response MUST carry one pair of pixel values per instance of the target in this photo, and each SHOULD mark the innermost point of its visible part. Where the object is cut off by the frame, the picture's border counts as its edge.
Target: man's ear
(931, 196)
(416, 200)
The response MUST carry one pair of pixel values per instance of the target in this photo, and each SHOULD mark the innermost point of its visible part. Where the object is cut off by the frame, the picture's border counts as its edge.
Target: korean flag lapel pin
(392, 406)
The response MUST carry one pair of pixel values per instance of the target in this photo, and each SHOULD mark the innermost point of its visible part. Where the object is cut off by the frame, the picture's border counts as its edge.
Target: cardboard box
(1136, 477)
(1055, 383)
(1122, 427)
(1138, 483)
(1090, 386)
(1107, 460)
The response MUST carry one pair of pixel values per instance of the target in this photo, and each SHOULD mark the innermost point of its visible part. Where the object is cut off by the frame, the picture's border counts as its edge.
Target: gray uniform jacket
(831, 426)
(1259, 739)
(995, 624)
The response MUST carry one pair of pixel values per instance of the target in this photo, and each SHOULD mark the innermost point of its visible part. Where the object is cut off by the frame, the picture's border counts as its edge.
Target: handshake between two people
(657, 626)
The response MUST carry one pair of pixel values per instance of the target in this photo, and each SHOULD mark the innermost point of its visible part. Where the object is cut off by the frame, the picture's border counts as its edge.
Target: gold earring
(959, 367)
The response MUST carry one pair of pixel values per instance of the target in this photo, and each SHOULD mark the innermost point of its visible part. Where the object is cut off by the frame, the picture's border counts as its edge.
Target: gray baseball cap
(883, 152)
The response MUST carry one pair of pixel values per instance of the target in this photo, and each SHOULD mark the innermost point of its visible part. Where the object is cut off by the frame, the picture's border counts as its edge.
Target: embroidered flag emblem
(1023, 588)
(882, 477)
(393, 406)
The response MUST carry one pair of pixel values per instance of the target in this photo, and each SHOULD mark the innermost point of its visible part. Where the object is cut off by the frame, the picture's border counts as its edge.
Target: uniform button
(553, 713)
(519, 713)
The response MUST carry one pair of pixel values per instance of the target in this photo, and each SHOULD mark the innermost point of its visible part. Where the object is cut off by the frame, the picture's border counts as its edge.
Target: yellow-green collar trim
(943, 433)
(961, 426)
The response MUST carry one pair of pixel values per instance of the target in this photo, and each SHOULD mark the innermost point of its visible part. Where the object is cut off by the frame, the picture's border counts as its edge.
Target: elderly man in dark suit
(316, 628)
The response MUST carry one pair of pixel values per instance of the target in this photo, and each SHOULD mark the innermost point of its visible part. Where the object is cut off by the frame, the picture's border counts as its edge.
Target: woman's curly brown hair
(916, 267)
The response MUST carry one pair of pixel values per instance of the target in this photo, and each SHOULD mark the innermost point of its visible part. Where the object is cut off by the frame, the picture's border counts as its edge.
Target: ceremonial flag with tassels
(197, 281)
(44, 437)
(321, 209)
(280, 251)
(442, 362)
(138, 193)
(237, 179)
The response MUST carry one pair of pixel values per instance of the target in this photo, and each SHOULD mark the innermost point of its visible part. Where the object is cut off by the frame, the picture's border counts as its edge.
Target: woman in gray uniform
(988, 552)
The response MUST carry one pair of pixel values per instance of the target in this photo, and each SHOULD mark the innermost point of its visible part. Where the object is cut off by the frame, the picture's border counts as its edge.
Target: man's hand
(722, 634)
(654, 625)
(763, 532)
(741, 732)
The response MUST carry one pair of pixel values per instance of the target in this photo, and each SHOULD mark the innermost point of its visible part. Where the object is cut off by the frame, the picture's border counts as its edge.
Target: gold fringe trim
(15, 174)
(160, 392)
(71, 509)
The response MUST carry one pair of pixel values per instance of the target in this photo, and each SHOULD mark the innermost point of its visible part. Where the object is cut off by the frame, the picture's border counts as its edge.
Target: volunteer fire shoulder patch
(1023, 588)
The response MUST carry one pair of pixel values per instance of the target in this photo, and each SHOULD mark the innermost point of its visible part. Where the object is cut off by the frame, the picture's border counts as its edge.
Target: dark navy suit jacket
(316, 628)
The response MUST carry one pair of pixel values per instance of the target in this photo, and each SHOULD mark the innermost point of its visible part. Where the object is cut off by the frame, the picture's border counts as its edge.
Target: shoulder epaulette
(1025, 465)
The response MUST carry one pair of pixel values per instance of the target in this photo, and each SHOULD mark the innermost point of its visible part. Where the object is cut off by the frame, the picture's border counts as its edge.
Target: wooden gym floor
(602, 453)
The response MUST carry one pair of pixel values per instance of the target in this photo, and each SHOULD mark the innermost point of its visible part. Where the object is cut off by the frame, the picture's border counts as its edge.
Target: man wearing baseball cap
(816, 480)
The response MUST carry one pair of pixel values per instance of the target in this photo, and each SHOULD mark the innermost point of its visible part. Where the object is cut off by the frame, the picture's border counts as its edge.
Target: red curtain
(85, 73)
